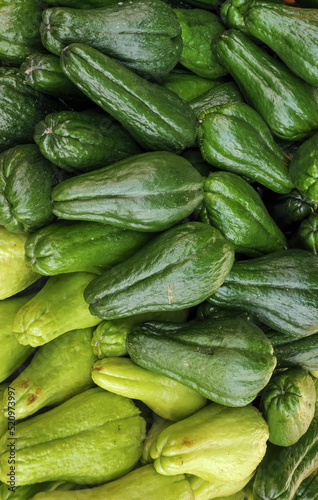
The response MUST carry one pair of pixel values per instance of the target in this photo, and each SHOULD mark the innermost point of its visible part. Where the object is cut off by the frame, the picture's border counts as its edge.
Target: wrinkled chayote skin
(166, 397)
(59, 370)
(289, 406)
(304, 169)
(92, 438)
(217, 444)
(16, 275)
(12, 353)
(58, 308)
(143, 483)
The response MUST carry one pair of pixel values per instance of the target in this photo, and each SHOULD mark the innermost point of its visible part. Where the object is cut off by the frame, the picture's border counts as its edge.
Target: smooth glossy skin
(26, 182)
(223, 94)
(284, 468)
(43, 72)
(19, 30)
(154, 116)
(279, 288)
(200, 29)
(237, 211)
(68, 247)
(57, 308)
(143, 482)
(287, 104)
(299, 353)
(94, 437)
(290, 209)
(231, 490)
(16, 275)
(13, 354)
(59, 370)
(217, 444)
(163, 395)
(226, 360)
(289, 406)
(304, 169)
(110, 337)
(144, 35)
(253, 151)
(187, 85)
(147, 192)
(174, 271)
(291, 32)
(21, 108)
(81, 142)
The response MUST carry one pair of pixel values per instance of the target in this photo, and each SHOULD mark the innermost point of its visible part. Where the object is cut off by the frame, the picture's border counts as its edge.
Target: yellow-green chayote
(58, 371)
(244, 494)
(16, 275)
(158, 425)
(110, 336)
(27, 492)
(231, 490)
(92, 438)
(217, 444)
(141, 484)
(166, 397)
(12, 353)
(56, 309)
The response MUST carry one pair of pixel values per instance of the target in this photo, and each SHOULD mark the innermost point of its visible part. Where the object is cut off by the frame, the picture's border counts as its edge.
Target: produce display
(159, 250)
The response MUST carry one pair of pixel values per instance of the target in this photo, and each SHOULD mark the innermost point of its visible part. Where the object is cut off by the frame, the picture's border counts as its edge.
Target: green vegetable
(308, 489)
(220, 95)
(253, 151)
(43, 72)
(279, 288)
(19, 29)
(283, 469)
(301, 353)
(27, 492)
(110, 337)
(187, 85)
(147, 192)
(304, 169)
(226, 360)
(167, 398)
(176, 270)
(291, 32)
(85, 4)
(217, 444)
(195, 158)
(231, 489)
(26, 182)
(199, 30)
(155, 117)
(144, 482)
(15, 275)
(13, 354)
(144, 35)
(17, 127)
(307, 236)
(83, 141)
(287, 104)
(289, 209)
(58, 308)
(94, 437)
(3, 421)
(237, 211)
(59, 370)
(289, 406)
(158, 425)
(68, 247)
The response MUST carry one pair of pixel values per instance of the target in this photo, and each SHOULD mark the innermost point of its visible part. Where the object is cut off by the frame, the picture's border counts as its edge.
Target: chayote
(168, 398)
(12, 354)
(94, 437)
(217, 444)
(59, 370)
(16, 275)
(56, 309)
